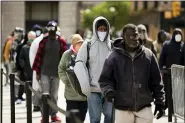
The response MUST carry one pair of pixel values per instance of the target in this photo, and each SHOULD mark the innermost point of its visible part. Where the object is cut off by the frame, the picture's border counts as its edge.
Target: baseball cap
(52, 23)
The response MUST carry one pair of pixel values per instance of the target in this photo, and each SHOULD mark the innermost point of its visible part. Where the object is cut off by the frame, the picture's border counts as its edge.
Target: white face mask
(178, 38)
(58, 33)
(101, 35)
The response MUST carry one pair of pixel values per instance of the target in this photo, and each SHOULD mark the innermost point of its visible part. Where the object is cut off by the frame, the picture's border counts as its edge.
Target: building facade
(27, 13)
(152, 15)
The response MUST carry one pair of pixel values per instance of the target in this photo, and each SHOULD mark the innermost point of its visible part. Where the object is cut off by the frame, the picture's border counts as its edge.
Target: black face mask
(52, 33)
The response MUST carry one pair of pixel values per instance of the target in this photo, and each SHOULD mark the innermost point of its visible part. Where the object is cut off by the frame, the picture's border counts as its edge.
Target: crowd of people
(126, 74)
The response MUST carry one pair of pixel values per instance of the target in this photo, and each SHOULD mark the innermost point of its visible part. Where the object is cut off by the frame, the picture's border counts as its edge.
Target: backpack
(73, 80)
(71, 74)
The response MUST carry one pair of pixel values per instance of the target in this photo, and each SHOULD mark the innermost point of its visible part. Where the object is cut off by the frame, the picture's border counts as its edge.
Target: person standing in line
(88, 66)
(170, 54)
(144, 39)
(161, 38)
(46, 62)
(6, 55)
(131, 77)
(24, 57)
(67, 62)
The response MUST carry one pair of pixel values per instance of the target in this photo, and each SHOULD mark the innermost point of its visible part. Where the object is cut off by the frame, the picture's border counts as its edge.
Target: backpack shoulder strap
(88, 57)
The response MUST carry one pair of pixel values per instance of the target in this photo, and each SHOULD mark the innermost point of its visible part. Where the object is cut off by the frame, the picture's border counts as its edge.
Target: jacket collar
(122, 50)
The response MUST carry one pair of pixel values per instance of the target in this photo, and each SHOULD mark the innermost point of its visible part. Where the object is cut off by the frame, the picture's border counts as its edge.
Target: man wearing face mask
(37, 29)
(144, 39)
(170, 54)
(131, 77)
(88, 67)
(161, 38)
(46, 64)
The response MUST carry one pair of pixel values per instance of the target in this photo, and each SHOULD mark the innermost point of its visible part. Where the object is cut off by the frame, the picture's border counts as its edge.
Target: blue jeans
(96, 105)
(50, 84)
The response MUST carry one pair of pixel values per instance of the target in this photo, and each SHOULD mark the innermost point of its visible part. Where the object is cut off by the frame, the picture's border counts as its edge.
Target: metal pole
(28, 102)
(184, 89)
(12, 79)
(1, 99)
(45, 114)
(170, 105)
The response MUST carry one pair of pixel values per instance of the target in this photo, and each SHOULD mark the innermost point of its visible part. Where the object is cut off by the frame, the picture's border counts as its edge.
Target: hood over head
(160, 33)
(119, 43)
(175, 32)
(98, 22)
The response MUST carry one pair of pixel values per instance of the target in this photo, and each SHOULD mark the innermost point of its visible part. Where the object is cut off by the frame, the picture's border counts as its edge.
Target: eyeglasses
(51, 28)
(133, 36)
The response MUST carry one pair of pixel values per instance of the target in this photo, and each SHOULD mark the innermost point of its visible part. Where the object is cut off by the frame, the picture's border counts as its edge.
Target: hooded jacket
(171, 52)
(136, 81)
(88, 77)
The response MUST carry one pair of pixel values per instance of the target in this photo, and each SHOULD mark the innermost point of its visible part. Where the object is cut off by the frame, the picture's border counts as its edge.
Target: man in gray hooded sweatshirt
(88, 69)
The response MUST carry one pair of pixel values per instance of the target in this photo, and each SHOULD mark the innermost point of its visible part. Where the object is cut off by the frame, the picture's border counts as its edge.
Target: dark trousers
(80, 105)
(21, 91)
(21, 87)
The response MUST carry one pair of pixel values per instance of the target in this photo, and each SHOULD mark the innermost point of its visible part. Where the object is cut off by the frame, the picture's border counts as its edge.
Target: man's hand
(160, 108)
(110, 96)
(38, 77)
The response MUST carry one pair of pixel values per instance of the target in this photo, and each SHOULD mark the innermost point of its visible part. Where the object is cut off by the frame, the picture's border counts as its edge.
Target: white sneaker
(18, 101)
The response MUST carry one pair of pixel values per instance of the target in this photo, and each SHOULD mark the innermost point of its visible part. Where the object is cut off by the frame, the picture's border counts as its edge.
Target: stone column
(13, 14)
(68, 18)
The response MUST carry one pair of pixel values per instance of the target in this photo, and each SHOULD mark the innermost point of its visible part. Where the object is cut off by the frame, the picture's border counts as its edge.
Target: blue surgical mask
(38, 32)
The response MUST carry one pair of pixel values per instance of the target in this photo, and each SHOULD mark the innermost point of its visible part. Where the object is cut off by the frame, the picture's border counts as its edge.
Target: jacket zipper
(134, 83)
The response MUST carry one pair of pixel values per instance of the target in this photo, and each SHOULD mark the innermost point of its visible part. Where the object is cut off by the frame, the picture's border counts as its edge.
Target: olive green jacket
(158, 48)
(69, 93)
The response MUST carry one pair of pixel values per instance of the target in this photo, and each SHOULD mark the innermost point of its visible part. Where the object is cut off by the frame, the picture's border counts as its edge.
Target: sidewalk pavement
(20, 116)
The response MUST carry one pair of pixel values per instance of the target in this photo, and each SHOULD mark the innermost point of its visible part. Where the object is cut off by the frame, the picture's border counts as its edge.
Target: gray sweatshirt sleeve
(81, 71)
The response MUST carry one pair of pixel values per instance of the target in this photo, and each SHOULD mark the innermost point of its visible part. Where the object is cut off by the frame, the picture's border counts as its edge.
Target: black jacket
(135, 81)
(182, 57)
(25, 62)
(171, 52)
